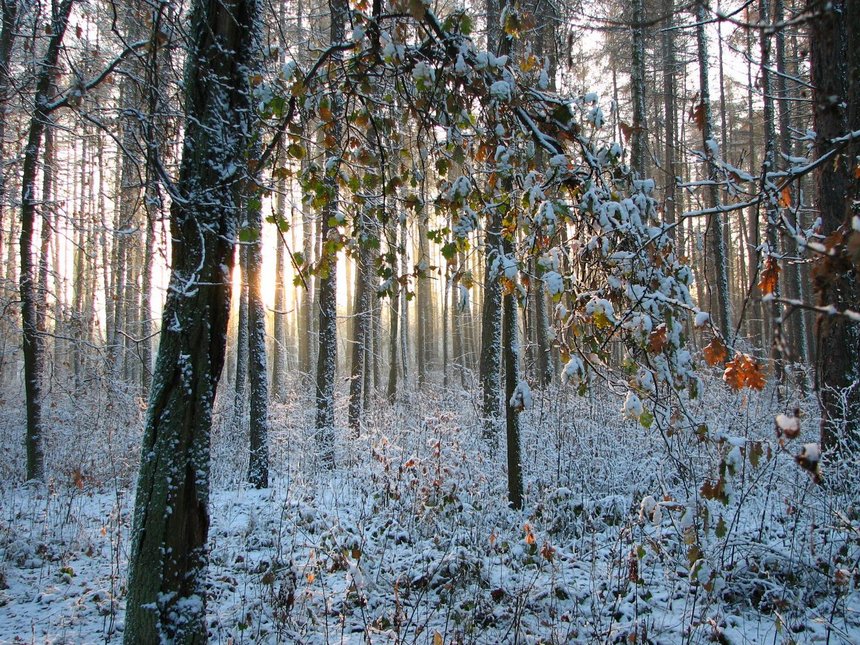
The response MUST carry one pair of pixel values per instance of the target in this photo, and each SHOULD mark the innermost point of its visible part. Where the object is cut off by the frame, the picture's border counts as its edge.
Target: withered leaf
(715, 352)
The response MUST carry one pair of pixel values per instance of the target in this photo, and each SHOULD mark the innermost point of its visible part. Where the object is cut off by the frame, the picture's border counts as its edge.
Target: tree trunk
(758, 329)
(327, 298)
(361, 321)
(32, 338)
(510, 342)
(834, 33)
(240, 393)
(305, 295)
(669, 101)
(639, 136)
(167, 563)
(152, 205)
(491, 327)
(47, 223)
(491, 308)
(715, 221)
(258, 462)
(769, 165)
(8, 24)
(279, 353)
(423, 301)
(393, 318)
(404, 308)
(796, 323)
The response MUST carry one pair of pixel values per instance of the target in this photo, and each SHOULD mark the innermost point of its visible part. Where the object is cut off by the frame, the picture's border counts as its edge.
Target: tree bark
(240, 386)
(491, 310)
(258, 426)
(639, 137)
(279, 352)
(510, 342)
(33, 349)
(361, 321)
(393, 317)
(168, 559)
(769, 165)
(834, 33)
(8, 24)
(715, 222)
(669, 101)
(327, 267)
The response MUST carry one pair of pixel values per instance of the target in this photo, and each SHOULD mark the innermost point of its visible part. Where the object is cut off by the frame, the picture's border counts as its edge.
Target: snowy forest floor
(410, 538)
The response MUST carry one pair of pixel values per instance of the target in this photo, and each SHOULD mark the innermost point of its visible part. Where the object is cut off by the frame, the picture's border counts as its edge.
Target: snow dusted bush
(705, 528)
(92, 437)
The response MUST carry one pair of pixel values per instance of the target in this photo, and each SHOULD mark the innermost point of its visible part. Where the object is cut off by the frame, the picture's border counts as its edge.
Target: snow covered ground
(410, 538)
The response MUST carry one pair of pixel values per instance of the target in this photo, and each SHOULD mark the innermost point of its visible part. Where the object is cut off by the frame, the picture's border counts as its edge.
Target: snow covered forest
(425, 321)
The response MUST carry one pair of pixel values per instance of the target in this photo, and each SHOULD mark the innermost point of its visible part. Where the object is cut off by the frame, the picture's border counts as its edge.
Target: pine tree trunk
(361, 321)
(240, 385)
(715, 222)
(758, 330)
(639, 136)
(8, 25)
(47, 223)
(724, 151)
(404, 308)
(327, 298)
(458, 322)
(446, 370)
(796, 323)
(152, 205)
(834, 33)
(279, 353)
(510, 343)
(258, 462)
(669, 116)
(491, 328)
(423, 298)
(769, 165)
(393, 319)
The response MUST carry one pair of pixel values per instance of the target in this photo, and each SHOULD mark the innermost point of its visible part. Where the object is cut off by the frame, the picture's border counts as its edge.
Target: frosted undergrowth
(410, 535)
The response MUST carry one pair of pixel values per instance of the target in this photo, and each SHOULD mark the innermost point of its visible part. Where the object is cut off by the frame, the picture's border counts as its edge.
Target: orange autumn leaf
(697, 115)
(626, 130)
(657, 340)
(744, 371)
(715, 352)
(529, 63)
(547, 552)
(530, 537)
(755, 377)
(769, 277)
